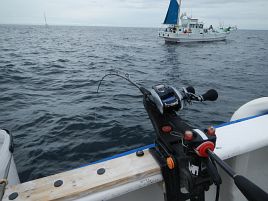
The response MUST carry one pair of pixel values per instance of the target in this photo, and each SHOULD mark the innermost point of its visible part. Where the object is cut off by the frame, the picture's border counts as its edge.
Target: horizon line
(115, 26)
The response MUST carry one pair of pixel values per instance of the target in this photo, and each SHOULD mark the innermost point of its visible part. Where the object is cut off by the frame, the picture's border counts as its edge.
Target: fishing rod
(185, 154)
(117, 73)
(250, 190)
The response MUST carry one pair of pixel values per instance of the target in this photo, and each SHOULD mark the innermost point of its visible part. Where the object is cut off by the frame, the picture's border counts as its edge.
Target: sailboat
(187, 29)
(46, 25)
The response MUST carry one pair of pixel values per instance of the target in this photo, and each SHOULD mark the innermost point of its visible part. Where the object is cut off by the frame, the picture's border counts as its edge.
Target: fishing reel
(168, 98)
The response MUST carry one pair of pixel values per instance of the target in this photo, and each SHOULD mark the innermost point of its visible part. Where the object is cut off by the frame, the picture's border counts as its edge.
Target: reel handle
(190, 89)
(210, 95)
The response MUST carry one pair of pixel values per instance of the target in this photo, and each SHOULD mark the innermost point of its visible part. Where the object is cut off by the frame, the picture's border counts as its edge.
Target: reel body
(166, 98)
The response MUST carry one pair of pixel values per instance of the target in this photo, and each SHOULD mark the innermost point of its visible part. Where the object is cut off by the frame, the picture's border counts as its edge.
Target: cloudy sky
(246, 14)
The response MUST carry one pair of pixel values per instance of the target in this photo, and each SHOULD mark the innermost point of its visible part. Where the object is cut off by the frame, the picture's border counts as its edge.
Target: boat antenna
(191, 13)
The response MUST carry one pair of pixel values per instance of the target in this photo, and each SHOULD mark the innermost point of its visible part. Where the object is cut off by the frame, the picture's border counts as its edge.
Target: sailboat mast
(179, 12)
(45, 19)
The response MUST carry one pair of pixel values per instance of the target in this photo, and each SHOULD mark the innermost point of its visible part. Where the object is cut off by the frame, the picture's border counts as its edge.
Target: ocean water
(49, 77)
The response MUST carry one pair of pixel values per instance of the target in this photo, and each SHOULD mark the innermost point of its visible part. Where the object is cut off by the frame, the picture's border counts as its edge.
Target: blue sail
(172, 13)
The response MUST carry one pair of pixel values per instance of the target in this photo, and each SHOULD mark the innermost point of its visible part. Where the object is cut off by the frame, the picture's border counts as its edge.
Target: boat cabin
(187, 25)
(190, 25)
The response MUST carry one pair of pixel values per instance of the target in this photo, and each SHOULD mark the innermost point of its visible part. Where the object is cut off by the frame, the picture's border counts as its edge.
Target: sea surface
(49, 77)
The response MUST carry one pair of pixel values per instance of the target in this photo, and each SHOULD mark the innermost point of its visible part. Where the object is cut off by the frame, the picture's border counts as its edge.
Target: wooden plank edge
(79, 182)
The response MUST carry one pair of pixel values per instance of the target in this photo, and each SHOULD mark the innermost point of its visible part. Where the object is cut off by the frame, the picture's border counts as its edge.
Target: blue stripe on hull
(153, 145)
(121, 154)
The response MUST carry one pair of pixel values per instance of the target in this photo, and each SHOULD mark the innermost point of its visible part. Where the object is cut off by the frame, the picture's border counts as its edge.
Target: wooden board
(233, 139)
(83, 181)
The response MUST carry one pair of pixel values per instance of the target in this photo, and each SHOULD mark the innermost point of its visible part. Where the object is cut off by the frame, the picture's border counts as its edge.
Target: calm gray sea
(49, 77)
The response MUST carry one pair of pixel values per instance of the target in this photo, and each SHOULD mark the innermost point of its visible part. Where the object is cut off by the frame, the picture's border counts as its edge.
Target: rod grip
(250, 190)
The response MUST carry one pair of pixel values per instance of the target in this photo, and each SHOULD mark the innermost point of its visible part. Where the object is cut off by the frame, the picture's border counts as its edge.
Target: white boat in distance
(187, 29)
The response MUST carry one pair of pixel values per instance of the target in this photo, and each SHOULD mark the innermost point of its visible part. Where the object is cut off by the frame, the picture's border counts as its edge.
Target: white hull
(246, 164)
(6, 159)
(188, 37)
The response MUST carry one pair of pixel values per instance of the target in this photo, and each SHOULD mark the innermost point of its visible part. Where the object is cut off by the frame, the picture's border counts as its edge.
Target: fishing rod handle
(221, 163)
(250, 190)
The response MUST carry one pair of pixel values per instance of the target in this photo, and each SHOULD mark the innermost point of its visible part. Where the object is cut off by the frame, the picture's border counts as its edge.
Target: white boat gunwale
(153, 145)
(130, 169)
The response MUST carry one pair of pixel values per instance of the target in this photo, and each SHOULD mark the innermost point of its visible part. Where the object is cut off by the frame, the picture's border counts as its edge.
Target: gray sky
(246, 14)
